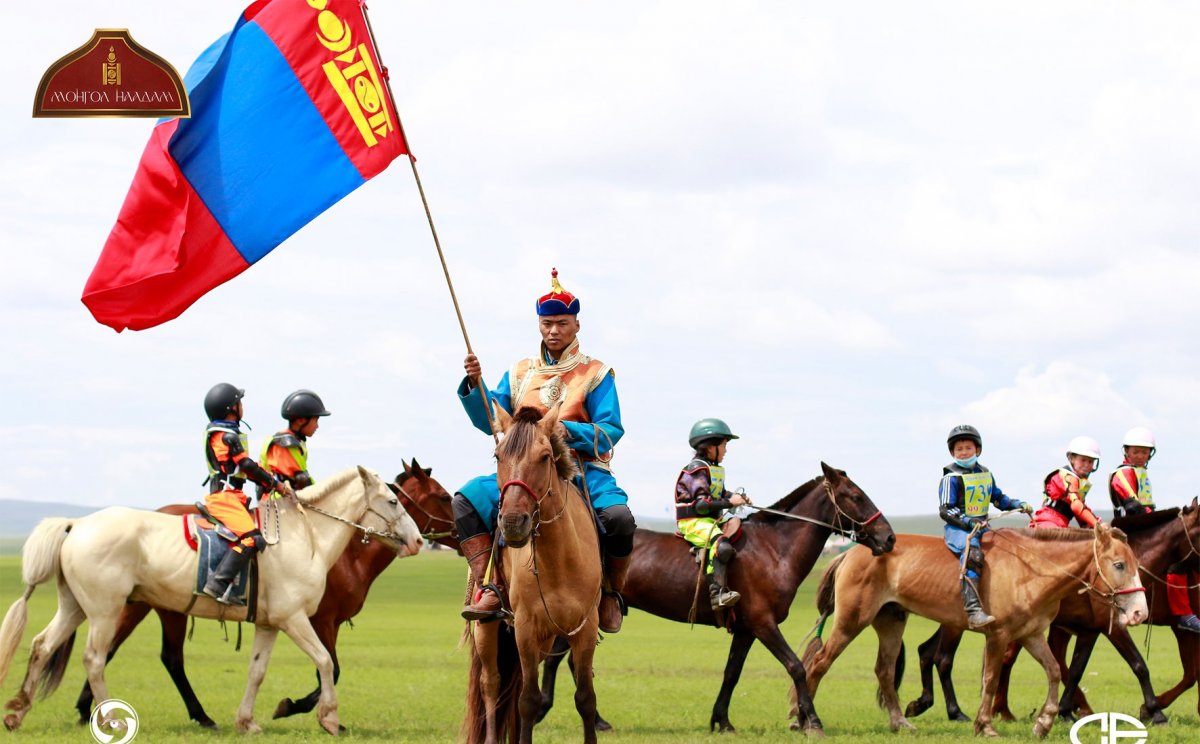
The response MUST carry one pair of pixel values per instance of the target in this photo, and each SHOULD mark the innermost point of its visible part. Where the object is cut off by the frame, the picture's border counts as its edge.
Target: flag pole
(412, 161)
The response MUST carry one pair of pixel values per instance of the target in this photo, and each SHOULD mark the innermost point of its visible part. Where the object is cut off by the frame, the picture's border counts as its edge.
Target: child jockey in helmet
(1129, 488)
(700, 500)
(966, 492)
(228, 469)
(285, 454)
(1067, 487)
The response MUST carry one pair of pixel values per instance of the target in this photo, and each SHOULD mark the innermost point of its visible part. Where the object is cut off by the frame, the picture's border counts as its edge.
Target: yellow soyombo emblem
(111, 68)
(353, 75)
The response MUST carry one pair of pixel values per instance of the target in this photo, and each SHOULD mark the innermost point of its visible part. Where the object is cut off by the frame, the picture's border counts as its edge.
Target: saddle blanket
(211, 547)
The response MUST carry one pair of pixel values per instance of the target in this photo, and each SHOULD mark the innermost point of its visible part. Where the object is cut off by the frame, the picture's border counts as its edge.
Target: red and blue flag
(290, 113)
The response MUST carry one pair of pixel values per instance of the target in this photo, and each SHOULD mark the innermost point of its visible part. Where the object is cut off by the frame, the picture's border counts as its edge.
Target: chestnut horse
(107, 558)
(1029, 572)
(551, 560)
(778, 553)
(346, 589)
(1159, 540)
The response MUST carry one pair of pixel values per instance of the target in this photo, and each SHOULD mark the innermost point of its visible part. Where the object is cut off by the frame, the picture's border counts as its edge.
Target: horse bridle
(855, 533)
(452, 532)
(367, 532)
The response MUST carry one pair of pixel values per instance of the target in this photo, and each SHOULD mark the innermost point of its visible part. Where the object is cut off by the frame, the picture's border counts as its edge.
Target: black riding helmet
(221, 399)
(964, 431)
(302, 404)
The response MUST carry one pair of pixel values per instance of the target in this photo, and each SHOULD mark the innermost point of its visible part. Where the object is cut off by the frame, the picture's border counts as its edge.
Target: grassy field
(403, 677)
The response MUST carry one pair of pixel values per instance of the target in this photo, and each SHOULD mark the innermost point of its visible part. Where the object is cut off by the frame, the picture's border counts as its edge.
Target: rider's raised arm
(473, 404)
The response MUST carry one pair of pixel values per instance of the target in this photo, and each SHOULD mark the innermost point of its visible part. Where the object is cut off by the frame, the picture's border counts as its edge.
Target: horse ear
(502, 420)
(407, 470)
(550, 420)
(1195, 501)
(831, 475)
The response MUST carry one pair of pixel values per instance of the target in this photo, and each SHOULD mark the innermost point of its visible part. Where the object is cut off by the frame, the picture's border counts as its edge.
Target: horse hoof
(1006, 716)
(901, 724)
(207, 723)
(1159, 719)
(960, 717)
(603, 725)
(916, 708)
(284, 709)
(248, 727)
(814, 732)
(331, 726)
(12, 722)
(985, 729)
(794, 725)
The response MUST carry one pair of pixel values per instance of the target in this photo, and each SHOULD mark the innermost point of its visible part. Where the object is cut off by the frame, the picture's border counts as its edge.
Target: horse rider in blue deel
(589, 421)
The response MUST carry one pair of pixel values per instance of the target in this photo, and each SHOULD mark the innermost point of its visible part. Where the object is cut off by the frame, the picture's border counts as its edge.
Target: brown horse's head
(857, 514)
(1117, 576)
(530, 460)
(427, 503)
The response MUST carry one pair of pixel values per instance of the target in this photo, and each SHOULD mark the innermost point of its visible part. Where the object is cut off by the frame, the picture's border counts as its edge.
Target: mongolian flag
(289, 114)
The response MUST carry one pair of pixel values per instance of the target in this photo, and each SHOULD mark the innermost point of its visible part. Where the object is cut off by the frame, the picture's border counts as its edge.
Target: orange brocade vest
(535, 383)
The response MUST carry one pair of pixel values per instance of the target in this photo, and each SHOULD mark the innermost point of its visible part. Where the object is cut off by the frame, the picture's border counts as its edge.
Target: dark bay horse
(1159, 540)
(346, 588)
(1029, 573)
(776, 555)
(551, 561)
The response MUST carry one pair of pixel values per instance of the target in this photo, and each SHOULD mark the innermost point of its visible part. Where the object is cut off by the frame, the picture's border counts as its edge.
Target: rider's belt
(220, 482)
(1062, 506)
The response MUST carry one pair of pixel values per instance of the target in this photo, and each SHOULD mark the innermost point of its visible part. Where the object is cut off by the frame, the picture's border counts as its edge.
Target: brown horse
(551, 560)
(346, 588)
(1029, 573)
(778, 553)
(1159, 540)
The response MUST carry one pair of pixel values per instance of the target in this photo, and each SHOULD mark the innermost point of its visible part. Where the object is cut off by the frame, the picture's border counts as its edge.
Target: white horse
(117, 555)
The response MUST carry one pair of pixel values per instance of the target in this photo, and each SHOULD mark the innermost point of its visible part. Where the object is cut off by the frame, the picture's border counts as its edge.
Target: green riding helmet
(709, 428)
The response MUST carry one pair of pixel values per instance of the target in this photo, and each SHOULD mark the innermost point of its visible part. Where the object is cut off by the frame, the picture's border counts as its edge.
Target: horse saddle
(212, 541)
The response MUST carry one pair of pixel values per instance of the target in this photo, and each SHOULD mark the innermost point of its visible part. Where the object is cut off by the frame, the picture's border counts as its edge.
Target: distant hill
(18, 518)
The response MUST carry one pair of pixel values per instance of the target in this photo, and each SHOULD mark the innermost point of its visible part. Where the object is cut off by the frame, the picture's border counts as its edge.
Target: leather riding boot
(719, 593)
(976, 617)
(1190, 622)
(612, 604)
(220, 582)
(486, 604)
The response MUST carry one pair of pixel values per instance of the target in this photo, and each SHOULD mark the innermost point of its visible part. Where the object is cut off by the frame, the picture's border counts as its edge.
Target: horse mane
(1062, 534)
(522, 434)
(324, 487)
(786, 503)
(1139, 522)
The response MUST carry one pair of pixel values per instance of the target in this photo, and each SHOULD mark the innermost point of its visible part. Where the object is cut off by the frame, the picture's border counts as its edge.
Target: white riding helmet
(1085, 446)
(1139, 436)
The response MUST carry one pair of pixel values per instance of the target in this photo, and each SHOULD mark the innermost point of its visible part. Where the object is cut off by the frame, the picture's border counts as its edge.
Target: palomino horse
(778, 553)
(1159, 540)
(346, 589)
(552, 564)
(1028, 574)
(117, 555)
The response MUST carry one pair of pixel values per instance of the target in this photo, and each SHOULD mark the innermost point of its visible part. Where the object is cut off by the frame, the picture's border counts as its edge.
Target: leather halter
(431, 518)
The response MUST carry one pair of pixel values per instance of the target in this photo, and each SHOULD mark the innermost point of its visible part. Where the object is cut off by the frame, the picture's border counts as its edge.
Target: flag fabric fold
(289, 114)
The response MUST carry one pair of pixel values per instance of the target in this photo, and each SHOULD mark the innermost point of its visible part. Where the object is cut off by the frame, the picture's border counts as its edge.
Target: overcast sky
(842, 227)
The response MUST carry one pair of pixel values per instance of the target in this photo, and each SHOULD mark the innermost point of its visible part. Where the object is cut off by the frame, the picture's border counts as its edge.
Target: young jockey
(1129, 488)
(966, 493)
(228, 469)
(285, 455)
(700, 500)
(1067, 487)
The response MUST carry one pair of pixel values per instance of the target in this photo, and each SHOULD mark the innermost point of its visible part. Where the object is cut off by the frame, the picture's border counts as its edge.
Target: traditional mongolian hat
(559, 301)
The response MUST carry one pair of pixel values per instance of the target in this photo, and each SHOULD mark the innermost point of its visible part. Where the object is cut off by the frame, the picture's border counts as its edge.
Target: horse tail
(508, 667)
(825, 602)
(39, 563)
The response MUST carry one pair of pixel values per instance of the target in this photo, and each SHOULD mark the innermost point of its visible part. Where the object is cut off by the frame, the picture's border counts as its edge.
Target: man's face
(558, 331)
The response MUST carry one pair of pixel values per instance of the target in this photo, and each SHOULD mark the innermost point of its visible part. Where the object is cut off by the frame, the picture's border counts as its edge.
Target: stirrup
(495, 615)
(724, 598)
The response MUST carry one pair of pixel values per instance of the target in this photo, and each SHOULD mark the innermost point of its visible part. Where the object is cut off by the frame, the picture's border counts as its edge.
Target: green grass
(403, 677)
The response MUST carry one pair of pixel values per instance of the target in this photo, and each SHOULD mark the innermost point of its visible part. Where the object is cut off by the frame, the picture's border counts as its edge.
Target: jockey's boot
(719, 593)
(976, 617)
(1190, 622)
(486, 605)
(612, 604)
(220, 582)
